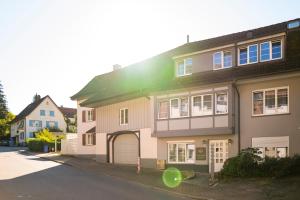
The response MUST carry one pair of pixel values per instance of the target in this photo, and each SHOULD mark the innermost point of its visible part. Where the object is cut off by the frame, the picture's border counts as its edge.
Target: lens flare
(172, 177)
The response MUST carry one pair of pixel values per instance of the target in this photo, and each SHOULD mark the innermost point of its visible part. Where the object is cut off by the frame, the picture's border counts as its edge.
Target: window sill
(179, 117)
(263, 115)
(182, 163)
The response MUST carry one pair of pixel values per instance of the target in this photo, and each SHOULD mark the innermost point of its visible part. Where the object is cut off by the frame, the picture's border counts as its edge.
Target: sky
(54, 47)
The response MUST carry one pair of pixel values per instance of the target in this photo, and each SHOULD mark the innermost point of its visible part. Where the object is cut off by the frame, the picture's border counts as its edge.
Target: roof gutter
(238, 130)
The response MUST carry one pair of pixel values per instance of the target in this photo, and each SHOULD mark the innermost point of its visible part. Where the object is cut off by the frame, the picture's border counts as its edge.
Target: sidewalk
(196, 188)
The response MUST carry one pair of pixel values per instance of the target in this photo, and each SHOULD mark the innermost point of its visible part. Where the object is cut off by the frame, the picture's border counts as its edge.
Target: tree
(5, 126)
(3, 107)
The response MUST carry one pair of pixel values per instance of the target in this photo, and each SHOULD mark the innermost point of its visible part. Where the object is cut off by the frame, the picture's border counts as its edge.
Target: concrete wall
(272, 125)
(69, 144)
(108, 121)
(87, 150)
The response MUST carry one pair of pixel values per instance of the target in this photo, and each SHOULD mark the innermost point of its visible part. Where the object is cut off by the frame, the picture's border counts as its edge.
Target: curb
(131, 181)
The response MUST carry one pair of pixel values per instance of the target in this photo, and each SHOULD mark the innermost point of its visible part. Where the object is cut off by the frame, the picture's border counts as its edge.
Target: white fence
(69, 144)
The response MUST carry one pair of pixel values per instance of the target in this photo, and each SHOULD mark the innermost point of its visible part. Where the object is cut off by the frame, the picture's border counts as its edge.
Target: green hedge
(37, 145)
(248, 164)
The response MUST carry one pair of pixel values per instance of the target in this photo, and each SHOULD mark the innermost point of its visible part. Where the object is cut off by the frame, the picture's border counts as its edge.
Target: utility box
(161, 164)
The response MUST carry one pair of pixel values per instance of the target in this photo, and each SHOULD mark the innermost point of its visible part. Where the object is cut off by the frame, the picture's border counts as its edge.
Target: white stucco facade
(38, 119)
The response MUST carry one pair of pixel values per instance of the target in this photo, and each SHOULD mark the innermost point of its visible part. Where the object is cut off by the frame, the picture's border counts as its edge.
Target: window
(265, 51)
(243, 56)
(270, 101)
(179, 107)
(294, 24)
(51, 113)
(202, 105)
(51, 124)
(90, 115)
(248, 54)
(218, 60)
(163, 109)
(276, 147)
(273, 152)
(31, 135)
(253, 53)
(276, 50)
(42, 112)
(35, 123)
(271, 50)
(221, 103)
(124, 116)
(181, 153)
(222, 59)
(185, 67)
(89, 139)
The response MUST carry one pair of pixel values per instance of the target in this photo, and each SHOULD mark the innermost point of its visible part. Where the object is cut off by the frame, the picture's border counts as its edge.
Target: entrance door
(218, 153)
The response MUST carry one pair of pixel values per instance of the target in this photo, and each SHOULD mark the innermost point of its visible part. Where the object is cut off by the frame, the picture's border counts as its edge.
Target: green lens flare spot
(172, 177)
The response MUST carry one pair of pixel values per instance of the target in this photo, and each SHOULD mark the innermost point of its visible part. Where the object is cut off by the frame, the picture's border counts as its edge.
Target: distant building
(41, 113)
(70, 115)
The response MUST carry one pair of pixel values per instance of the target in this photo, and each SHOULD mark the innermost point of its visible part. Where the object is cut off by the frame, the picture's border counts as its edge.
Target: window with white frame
(273, 152)
(202, 105)
(185, 67)
(179, 107)
(181, 153)
(221, 102)
(163, 107)
(90, 115)
(248, 54)
(270, 101)
(222, 59)
(89, 139)
(124, 116)
(270, 50)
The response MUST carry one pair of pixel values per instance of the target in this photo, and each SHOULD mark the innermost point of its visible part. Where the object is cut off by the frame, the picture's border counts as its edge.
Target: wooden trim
(83, 116)
(83, 139)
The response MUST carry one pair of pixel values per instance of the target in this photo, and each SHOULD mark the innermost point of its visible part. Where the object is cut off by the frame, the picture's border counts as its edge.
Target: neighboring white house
(41, 113)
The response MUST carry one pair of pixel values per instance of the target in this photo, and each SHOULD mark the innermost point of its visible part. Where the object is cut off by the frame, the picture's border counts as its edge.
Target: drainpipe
(238, 113)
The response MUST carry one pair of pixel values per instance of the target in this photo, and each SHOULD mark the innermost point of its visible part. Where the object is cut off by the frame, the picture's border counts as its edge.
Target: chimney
(116, 67)
(187, 39)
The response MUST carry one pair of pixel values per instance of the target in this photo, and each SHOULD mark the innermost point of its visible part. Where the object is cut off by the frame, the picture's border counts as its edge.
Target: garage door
(126, 149)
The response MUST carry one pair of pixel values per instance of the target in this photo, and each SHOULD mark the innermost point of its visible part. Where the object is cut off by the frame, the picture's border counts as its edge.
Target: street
(24, 176)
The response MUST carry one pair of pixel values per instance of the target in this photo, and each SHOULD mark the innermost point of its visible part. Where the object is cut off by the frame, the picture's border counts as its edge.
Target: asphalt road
(29, 177)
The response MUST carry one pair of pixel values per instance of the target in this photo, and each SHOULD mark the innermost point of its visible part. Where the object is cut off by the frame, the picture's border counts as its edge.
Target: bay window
(163, 109)
(221, 103)
(181, 153)
(202, 105)
(270, 101)
(179, 107)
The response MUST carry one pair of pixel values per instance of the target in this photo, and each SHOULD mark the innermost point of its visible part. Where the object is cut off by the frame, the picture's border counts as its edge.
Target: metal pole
(212, 164)
(139, 165)
(55, 146)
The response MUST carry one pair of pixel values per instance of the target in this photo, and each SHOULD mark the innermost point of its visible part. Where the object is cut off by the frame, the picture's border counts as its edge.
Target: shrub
(248, 164)
(35, 144)
(43, 137)
(243, 165)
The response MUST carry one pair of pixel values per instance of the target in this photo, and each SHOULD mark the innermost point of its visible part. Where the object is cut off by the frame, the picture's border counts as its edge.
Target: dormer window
(222, 59)
(270, 50)
(184, 67)
(248, 54)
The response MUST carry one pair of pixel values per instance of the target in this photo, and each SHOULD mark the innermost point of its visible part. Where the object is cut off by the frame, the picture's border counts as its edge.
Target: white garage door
(126, 149)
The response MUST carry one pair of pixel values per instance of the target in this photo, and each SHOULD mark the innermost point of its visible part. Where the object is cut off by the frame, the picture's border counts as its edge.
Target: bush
(43, 137)
(248, 164)
(243, 165)
(35, 144)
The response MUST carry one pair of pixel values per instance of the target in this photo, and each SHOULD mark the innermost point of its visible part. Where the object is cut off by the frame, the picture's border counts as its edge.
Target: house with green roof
(197, 105)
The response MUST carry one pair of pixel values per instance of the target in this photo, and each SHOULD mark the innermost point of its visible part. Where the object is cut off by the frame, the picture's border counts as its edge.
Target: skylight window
(293, 24)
